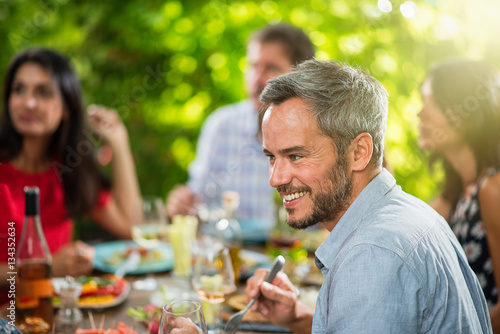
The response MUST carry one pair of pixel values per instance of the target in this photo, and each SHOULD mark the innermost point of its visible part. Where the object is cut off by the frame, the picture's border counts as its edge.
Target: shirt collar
(376, 189)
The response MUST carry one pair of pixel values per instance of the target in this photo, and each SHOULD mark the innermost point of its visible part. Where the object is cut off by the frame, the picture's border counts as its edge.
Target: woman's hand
(74, 259)
(106, 123)
(120, 214)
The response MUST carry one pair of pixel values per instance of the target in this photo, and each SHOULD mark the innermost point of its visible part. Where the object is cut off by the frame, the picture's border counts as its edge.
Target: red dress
(56, 225)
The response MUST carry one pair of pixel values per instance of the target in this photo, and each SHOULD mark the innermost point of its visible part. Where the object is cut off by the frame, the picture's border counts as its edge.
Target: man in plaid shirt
(229, 154)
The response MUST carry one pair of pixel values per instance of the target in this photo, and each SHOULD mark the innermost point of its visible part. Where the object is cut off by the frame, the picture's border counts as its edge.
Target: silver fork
(234, 322)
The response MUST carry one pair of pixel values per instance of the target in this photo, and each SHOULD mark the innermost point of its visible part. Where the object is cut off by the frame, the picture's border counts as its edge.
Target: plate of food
(97, 292)
(238, 303)
(110, 255)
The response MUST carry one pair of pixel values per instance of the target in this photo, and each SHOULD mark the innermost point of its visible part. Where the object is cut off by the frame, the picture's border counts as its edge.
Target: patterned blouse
(6, 327)
(465, 220)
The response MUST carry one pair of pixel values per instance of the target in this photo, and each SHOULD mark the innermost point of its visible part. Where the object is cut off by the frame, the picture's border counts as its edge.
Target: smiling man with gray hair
(391, 263)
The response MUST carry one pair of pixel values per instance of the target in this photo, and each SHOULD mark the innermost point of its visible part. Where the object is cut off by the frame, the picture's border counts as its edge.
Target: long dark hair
(468, 94)
(70, 147)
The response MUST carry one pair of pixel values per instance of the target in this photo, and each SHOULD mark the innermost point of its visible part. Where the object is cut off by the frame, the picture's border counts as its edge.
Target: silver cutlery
(235, 321)
(130, 263)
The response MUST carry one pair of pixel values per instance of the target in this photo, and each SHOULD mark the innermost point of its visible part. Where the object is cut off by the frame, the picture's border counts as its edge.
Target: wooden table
(111, 316)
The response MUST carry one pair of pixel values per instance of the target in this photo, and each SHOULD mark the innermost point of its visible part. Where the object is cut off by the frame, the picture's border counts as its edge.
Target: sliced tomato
(27, 302)
(124, 329)
(90, 331)
(114, 286)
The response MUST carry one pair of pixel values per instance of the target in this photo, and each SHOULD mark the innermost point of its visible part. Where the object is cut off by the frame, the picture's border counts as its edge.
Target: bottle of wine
(228, 230)
(34, 271)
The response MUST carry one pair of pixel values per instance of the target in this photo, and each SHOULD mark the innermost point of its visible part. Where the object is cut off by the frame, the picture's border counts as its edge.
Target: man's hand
(181, 201)
(279, 303)
(74, 259)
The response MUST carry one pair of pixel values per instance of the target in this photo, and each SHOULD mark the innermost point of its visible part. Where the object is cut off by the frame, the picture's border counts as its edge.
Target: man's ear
(362, 150)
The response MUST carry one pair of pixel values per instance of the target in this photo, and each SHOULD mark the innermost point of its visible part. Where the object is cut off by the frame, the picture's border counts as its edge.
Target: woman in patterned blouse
(460, 126)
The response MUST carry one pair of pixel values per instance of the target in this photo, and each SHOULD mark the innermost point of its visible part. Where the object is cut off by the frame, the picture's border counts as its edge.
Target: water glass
(182, 316)
(182, 233)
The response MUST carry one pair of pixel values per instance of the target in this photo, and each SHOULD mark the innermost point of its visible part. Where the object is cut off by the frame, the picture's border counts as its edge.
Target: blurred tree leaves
(165, 65)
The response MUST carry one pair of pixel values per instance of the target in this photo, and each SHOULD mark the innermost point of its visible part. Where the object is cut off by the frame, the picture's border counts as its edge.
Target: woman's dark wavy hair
(83, 180)
(468, 94)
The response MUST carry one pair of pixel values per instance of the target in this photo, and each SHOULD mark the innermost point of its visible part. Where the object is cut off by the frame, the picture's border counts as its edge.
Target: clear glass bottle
(228, 229)
(69, 317)
(34, 272)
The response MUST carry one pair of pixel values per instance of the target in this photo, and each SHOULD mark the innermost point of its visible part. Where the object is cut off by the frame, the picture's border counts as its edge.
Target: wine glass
(213, 278)
(184, 315)
(149, 230)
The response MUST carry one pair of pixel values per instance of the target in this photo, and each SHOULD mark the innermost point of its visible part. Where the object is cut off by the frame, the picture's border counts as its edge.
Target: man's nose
(261, 76)
(279, 174)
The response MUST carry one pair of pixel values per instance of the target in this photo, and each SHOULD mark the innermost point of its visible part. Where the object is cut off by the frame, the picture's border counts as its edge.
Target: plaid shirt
(229, 157)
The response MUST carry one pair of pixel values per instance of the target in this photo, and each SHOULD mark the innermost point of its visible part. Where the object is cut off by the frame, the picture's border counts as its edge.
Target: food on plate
(238, 302)
(149, 316)
(121, 329)
(97, 291)
(147, 256)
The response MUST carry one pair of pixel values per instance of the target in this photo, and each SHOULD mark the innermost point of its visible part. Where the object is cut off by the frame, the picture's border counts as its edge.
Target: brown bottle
(229, 230)
(34, 286)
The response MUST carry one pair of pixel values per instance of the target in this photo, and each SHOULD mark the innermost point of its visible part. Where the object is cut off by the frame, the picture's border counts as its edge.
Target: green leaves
(166, 65)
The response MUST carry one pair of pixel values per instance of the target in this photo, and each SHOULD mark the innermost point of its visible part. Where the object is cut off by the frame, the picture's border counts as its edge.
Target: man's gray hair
(345, 101)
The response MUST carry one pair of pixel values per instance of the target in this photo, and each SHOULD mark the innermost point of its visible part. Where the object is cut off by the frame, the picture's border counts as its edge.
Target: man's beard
(328, 204)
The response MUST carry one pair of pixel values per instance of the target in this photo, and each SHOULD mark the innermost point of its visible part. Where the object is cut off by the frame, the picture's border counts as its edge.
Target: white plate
(58, 281)
(106, 250)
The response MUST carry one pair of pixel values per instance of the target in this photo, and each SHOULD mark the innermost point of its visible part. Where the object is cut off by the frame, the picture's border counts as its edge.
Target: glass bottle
(69, 317)
(228, 229)
(34, 272)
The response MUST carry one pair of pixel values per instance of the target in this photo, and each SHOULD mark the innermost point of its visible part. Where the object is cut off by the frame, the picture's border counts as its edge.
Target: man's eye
(274, 68)
(295, 157)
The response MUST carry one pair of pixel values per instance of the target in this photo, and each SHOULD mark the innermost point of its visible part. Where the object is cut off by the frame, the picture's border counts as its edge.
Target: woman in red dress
(45, 141)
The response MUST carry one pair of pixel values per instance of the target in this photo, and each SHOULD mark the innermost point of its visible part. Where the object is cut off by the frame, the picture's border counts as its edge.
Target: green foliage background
(165, 65)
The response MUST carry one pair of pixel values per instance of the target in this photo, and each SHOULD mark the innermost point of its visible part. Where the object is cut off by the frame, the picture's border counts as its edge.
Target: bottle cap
(31, 198)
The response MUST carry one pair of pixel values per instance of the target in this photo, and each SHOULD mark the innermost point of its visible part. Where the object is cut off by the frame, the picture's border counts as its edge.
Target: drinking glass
(182, 316)
(213, 278)
(149, 230)
(182, 237)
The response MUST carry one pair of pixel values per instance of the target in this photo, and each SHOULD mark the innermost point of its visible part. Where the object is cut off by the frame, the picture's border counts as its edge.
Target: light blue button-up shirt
(392, 265)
